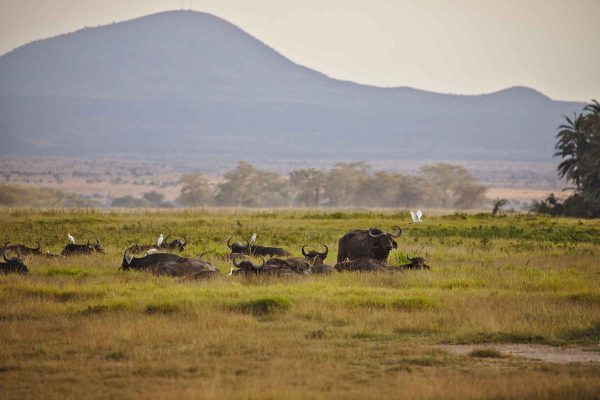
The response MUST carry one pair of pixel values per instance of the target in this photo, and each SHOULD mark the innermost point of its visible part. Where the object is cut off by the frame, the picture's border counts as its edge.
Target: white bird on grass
(160, 240)
(416, 216)
(71, 238)
(253, 238)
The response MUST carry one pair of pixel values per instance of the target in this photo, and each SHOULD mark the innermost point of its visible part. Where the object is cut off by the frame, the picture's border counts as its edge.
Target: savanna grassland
(80, 328)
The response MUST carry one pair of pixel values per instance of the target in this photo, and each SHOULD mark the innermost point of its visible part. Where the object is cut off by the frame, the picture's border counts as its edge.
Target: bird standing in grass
(71, 238)
(416, 216)
(253, 238)
(160, 240)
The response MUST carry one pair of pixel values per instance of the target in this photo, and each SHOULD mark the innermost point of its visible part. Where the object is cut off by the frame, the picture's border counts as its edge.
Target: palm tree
(572, 146)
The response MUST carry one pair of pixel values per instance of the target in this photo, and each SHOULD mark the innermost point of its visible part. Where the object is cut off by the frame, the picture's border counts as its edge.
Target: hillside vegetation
(79, 327)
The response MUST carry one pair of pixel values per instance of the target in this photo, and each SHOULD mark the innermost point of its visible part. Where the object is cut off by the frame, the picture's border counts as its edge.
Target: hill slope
(188, 82)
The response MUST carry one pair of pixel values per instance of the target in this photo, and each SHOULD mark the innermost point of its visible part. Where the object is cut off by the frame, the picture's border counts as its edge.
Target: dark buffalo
(168, 264)
(415, 263)
(13, 265)
(319, 268)
(255, 250)
(372, 243)
(22, 249)
(361, 265)
(149, 261)
(177, 244)
(73, 249)
(189, 267)
(313, 254)
(246, 267)
(298, 265)
(237, 247)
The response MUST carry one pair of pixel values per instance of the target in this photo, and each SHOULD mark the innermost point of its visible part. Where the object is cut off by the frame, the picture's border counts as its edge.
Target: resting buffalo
(72, 248)
(247, 267)
(372, 243)
(13, 265)
(361, 265)
(296, 265)
(22, 249)
(190, 267)
(415, 263)
(313, 254)
(168, 264)
(321, 268)
(255, 250)
(147, 262)
(177, 244)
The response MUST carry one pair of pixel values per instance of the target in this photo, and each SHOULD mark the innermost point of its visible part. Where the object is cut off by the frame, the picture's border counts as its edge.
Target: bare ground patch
(559, 355)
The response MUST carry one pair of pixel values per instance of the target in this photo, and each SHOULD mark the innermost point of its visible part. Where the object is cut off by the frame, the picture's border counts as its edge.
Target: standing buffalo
(73, 249)
(255, 250)
(13, 264)
(372, 243)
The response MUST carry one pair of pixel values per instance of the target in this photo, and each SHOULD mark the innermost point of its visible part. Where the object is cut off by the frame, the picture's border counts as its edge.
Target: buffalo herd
(360, 250)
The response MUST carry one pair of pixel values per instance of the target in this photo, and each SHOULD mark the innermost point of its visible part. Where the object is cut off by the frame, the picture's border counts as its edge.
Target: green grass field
(80, 328)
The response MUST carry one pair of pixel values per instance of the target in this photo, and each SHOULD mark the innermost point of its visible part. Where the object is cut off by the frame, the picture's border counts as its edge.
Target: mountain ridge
(183, 80)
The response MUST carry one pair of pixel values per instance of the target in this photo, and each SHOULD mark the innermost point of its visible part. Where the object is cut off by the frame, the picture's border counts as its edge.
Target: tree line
(344, 185)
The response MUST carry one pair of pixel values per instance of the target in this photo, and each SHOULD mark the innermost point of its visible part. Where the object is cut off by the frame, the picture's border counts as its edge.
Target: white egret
(160, 240)
(71, 238)
(416, 216)
(253, 238)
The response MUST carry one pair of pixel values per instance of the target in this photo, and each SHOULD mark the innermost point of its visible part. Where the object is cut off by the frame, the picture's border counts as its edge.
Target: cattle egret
(160, 240)
(71, 238)
(152, 251)
(253, 238)
(416, 217)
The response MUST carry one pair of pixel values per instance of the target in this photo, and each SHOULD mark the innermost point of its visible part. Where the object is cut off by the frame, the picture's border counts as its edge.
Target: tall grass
(79, 327)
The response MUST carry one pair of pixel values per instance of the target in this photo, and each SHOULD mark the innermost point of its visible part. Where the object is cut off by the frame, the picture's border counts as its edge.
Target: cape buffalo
(72, 248)
(311, 255)
(13, 265)
(246, 266)
(177, 244)
(297, 265)
(372, 243)
(190, 267)
(22, 249)
(361, 265)
(256, 250)
(415, 263)
(147, 262)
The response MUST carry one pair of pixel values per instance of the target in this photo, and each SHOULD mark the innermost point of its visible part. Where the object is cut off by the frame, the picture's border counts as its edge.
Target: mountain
(189, 83)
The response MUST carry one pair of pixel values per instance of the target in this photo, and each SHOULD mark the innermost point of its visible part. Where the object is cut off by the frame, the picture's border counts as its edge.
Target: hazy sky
(452, 46)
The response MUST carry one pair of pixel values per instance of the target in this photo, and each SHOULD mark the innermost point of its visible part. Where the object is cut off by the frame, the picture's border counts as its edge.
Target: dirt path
(561, 355)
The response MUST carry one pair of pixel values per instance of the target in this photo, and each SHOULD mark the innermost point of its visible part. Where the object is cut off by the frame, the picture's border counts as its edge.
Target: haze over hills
(193, 84)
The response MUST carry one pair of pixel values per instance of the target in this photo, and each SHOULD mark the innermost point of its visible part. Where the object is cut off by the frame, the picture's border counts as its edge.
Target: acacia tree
(308, 186)
(247, 186)
(195, 191)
